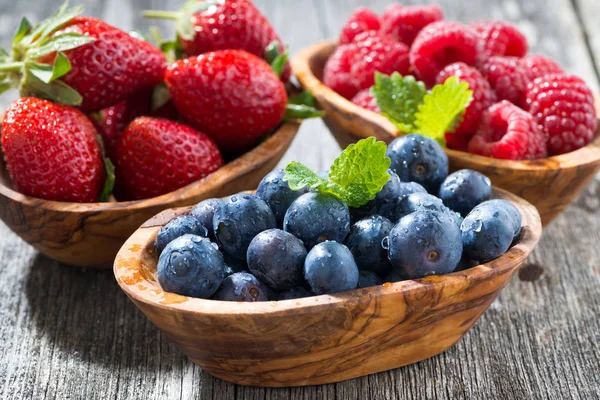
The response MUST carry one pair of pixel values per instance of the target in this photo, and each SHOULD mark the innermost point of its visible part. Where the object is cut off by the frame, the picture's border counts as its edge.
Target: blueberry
(364, 241)
(425, 243)
(487, 232)
(421, 201)
(277, 258)
(294, 293)
(330, 268)
(233, 263)
(464, 189)
(204, 212)
(368, 279)
(385, 202)
(395, 275)
(191, 266)
(417, 158)
(317, 217)
(456, 217)
(466, 263)
(238, 220)
(177, 227)
(407, 188)
(274, 191)
(511, 210)
(242, 286)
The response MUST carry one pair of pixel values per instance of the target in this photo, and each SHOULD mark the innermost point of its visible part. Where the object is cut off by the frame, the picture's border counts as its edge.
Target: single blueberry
(458, 219)
(417, 158)
(277, 258)
(274, 191)
(317, 217)
(385, 202)
(294, 293)
(425, 243)
(464, 189)
(330, 268)
(367, 279)
(242, 286)
(191, 266)
(177, 227)
(204, 212)
(407, 188)
(421, 201)
(487, 232)
(238, 220)
(364, 241)
(511, 210)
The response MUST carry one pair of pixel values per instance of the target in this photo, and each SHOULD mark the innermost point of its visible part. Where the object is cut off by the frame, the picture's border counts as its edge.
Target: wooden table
(71, 333)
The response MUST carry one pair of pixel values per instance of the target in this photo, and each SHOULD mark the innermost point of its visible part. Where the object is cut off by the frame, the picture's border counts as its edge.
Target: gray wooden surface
(71, 333)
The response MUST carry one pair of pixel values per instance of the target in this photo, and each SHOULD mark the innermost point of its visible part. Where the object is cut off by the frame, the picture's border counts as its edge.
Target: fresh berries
(242, 286)
(361, 20)
(536, 66)
(507, 76)
(403, 23)
(177, 227)
(276, 192)
(364, 241)
(365, 99)
(483, 97)
(563, 107)
(51, 151)
(330, 268)
(231, 95)
(351, 68)
(508, 132)
(487, 232)
(156, 156)
(464, 189)
(439, 44)
(499, 38)
(204, 213)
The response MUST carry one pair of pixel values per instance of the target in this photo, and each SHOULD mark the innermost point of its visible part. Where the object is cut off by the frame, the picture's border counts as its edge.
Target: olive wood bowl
(550, 184)
(90, 234)
(320, 339)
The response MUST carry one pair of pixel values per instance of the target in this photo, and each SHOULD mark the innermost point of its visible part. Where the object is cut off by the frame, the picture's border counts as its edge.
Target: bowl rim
(301, 66)
(238, 164)
(131, 254)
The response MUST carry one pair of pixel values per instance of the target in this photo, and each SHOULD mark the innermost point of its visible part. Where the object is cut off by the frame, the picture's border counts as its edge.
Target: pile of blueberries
(285, 244)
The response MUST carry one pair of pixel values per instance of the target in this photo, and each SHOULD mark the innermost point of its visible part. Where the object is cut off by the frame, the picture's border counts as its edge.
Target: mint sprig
(355, 177)
(407, 104)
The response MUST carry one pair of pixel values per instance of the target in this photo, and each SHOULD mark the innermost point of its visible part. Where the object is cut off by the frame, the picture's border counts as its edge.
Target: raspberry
(563, 106)
(536, 66)
(361, 20)
(507, 76)
(499, 39)
(439, 44)
(508, 132)
(352, 67)
(404, 23)
(483, 97)
(365, 99)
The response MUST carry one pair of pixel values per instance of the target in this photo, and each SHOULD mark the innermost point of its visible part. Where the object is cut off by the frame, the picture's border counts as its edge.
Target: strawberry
(227, 24)
(80, 61)
(156, 156)
(231, 95)
(51, 151)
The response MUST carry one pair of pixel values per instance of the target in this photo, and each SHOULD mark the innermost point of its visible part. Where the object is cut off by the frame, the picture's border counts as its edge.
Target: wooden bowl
(90, 234)
(550, 184)
(320, 339)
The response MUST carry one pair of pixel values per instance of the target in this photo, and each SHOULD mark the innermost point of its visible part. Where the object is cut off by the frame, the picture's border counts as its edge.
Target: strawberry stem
(11, 67)
(161, 14)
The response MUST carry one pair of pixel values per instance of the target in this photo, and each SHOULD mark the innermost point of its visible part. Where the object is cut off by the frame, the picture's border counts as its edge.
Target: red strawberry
(231, 95)
(403, 23)
(102, 65)
(499, 38)
(352, 67)
(228, 24)
(361, 20)
(156, 156)
(51, 151)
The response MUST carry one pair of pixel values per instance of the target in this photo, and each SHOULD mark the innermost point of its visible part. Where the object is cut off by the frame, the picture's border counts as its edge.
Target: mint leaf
(443, 108)
(398, 98)
(355, 177)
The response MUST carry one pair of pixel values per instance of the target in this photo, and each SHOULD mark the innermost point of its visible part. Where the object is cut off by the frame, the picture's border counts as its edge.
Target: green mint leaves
(407, 104)
(355, 177)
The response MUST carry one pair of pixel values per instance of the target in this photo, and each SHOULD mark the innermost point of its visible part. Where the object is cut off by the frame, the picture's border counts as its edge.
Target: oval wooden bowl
(549, 184)
(320, 339)
(90, 234)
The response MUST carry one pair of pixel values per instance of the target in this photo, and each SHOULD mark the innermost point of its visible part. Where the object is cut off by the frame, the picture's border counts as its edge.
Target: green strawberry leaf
(160, 96)
(50, 73)
(48, 26)
(272, 51)
(63, 42)
(305, 98)
(57, 91)
(301, 111)
(398, 98)
(278, 64)
(355, 177)
(443, 108)
(23, 29)
(109, 183)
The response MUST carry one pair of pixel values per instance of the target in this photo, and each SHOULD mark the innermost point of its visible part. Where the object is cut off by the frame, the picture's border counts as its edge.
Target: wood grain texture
(320, 339)
(72, 333)
(550, 184)
(90, 234)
